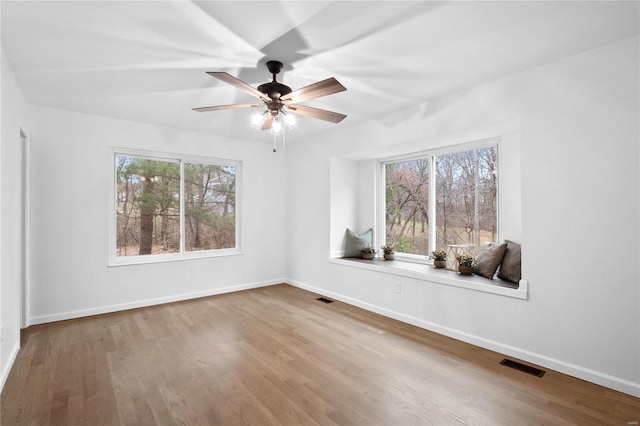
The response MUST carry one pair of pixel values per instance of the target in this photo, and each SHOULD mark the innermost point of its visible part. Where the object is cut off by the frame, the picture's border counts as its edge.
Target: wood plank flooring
(275, 355)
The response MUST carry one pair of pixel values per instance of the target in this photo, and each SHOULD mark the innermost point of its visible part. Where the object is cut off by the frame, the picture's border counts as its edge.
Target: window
(210, 193)
(442, 200)
(173, 208)
(407, 205)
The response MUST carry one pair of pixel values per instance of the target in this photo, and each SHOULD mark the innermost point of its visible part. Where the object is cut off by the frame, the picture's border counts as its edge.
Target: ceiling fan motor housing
(274, 89)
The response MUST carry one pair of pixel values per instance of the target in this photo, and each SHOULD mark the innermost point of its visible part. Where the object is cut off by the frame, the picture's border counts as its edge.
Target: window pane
(147, 206)
(466, 198)
(210, 207)
(407, 205)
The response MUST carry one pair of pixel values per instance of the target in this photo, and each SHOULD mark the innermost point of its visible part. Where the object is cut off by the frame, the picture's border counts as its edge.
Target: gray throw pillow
(489, 259)
(356, 241)
(511, 267)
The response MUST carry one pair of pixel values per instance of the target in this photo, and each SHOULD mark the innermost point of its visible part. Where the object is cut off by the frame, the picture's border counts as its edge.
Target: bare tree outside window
(464, 211)
(407, 201)
(209, 206)
(466, 198)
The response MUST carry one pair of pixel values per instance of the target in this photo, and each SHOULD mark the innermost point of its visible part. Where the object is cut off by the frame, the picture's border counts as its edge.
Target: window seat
(425, 272)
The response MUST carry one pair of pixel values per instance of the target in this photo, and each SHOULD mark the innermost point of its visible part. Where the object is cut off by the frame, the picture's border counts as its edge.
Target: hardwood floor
(275, 355)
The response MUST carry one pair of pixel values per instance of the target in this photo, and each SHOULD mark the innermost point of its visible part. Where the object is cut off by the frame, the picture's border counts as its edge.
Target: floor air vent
(324, 300)
(525, 368)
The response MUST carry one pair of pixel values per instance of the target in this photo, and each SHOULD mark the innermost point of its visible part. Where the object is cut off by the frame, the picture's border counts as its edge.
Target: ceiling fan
(279, 99)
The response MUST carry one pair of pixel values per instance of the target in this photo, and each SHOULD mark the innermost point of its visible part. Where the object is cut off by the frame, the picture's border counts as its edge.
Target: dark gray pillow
(511, 267)
(356, 241)
(488, 259)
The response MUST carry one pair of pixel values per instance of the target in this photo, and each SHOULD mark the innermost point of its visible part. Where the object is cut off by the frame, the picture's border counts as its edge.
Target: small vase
(438, 264)
(465, 270)
(367, 256)
(388, 256)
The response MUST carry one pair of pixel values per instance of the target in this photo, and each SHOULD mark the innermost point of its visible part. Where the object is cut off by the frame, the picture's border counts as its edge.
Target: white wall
(71, 167)
(14, 117)
(343, 207)
(577, 119)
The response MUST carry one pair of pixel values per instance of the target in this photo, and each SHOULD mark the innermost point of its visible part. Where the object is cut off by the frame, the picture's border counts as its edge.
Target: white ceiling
(146, 61)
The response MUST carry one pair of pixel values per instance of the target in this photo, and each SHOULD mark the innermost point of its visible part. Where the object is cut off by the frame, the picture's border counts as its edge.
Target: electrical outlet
(194, 272)
(397, 287)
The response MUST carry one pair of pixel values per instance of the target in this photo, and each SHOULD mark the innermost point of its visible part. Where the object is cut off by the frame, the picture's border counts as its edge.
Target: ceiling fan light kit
(280, 102)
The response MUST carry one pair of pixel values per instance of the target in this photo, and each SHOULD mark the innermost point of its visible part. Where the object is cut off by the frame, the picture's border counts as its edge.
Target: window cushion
(489, 259)
(510, 269)
(356, 241)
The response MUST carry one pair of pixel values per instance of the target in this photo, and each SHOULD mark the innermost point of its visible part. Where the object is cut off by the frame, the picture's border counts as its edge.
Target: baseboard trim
(573, 370)
(149, 302)
(6, 369)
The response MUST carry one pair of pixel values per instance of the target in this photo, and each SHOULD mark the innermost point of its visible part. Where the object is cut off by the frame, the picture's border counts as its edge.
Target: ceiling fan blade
(228, 78)
(219, 107)
(315, 90)
(267, 122)
(321, 114)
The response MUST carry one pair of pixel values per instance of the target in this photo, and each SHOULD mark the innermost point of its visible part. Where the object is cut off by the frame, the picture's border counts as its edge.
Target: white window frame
(381, 226)
(182, 254)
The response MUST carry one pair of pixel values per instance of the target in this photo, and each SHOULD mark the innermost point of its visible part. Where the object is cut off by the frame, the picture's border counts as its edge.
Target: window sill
(422, 271)
(172, 257)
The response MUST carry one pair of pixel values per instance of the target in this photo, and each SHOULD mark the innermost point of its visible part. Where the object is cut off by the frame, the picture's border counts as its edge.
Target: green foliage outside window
(148, 206)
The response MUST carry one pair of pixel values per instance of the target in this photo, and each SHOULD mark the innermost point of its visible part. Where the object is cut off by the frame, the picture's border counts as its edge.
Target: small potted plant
(388, 250)
(465, 264)
(368, 252)
(439, 257)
